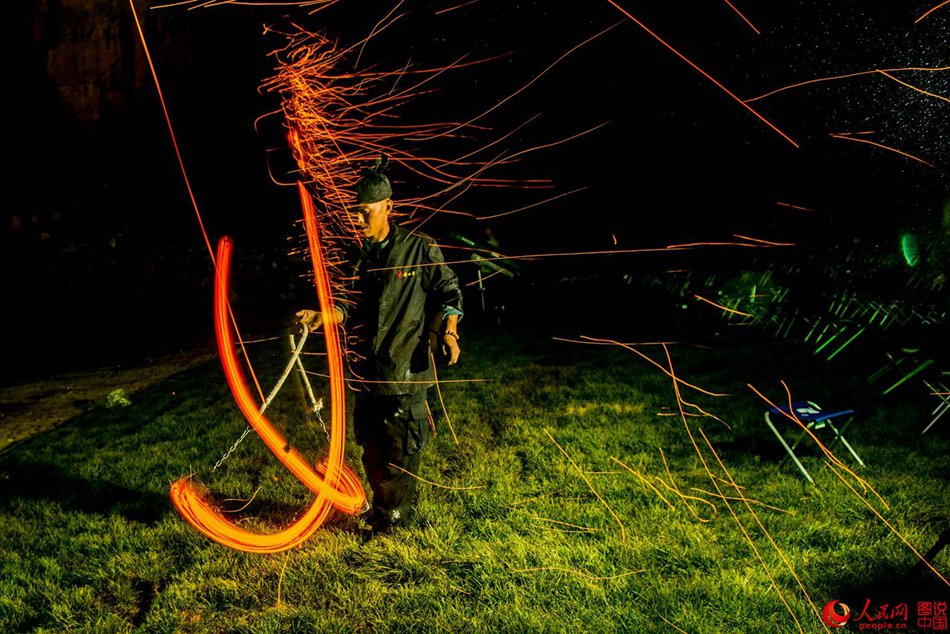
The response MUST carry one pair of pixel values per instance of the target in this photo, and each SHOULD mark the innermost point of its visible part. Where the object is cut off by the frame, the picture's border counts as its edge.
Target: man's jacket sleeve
(442, 284)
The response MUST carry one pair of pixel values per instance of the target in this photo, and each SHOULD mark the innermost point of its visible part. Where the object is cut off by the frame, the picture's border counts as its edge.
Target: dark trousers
(392, 430)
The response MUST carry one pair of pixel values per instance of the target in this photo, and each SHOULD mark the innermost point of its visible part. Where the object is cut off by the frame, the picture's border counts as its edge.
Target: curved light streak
(338, 486)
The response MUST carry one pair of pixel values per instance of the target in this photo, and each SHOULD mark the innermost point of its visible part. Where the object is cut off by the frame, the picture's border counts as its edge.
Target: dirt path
(30, 408)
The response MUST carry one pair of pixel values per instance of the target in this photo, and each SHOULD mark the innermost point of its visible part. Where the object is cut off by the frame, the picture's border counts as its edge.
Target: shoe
(375, 519)
(378, 526)
(366, 507)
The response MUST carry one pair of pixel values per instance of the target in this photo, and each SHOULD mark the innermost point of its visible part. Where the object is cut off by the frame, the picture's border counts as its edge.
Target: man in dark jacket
(405, 303)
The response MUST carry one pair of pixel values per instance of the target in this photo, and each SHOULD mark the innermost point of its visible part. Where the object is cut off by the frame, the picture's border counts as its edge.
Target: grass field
(91, 543)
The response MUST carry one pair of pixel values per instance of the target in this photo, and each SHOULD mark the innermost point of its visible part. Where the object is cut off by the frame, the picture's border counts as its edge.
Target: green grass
(91, 543)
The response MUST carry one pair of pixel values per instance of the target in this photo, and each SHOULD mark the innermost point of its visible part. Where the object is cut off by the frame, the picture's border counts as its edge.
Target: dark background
(103, 260)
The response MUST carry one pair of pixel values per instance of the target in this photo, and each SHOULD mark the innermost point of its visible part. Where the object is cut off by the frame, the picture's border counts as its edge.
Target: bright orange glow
(336, 486)
(702, 72)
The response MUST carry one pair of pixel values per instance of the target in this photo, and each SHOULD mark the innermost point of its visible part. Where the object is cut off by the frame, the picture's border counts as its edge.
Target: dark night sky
(678, 160)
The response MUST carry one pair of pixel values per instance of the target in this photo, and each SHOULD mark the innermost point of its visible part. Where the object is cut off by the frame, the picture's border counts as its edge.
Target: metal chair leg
(791, 453)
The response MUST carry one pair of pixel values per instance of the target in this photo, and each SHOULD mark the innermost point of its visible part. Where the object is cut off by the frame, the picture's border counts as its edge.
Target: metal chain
(295, 359)
(230, 451)
(317, 404)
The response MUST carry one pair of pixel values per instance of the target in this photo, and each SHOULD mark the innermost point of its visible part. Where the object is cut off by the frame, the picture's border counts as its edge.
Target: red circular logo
(834, 618)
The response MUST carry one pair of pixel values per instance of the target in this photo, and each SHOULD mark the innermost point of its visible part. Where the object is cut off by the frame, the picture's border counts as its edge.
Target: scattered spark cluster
(337, 123)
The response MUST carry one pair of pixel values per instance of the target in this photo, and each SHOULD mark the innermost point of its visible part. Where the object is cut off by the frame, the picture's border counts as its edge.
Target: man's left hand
(450, 348)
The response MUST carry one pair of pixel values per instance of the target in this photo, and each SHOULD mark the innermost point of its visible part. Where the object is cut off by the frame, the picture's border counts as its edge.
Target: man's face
(372, 219)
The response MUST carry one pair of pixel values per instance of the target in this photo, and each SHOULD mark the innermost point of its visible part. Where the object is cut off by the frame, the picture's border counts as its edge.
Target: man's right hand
(313, 319)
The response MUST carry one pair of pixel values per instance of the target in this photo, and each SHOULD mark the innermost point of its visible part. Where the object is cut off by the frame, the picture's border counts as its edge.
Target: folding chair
(908, 363)
(815, 419)
(940, 390)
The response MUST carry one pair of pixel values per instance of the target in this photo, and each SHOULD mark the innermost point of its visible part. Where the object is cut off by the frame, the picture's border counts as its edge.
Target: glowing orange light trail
(799, 207)
(436, 484)
(193, 505)
(536, 78)
(562, 254)
(369, 381)
(578, 572)
(438, 389)
(585, 529)
(739, 13)
(824, 449)
(184, 172)
(713, 479)
(476, 179)
(483, 279)
(704, 414)
(331, 335)
(886, 523)
(338, 487)
(336, 127)
(761, 241)
(750, 500)
(168, 121)
(643, 480)
(702, 72)
(623, 531)
(672, 486)
(847, 76)
(635, 351)
(912, 87)
(884, 147)
(765, 531)
(720, 306)
(928, 12)
(684, 499)
(377, 29)
(458, 6)
(471, 180)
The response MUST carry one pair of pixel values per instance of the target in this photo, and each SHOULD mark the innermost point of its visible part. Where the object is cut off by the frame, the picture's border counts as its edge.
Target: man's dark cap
(374, 186)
